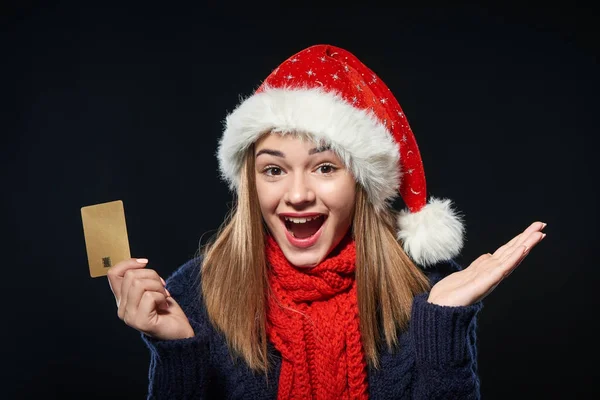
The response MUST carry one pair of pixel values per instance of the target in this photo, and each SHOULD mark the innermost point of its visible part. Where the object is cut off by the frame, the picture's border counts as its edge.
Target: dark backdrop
(105, 103)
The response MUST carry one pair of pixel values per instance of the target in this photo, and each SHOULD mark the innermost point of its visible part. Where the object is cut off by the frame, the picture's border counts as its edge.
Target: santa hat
(327, 92)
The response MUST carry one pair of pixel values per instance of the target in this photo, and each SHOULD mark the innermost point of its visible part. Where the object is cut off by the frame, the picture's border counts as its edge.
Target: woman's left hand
(479, 279)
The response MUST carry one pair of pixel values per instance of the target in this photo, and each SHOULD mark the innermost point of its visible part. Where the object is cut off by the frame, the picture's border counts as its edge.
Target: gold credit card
(105, 234)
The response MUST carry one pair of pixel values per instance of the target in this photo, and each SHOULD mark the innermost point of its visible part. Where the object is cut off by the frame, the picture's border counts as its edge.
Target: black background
(126, 102)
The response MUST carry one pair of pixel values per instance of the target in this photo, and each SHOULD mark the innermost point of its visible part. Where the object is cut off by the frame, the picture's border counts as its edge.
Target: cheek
(267, 198)
(339, 197)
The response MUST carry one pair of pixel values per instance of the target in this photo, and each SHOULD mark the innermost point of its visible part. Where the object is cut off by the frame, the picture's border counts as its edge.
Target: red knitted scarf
(313, 321)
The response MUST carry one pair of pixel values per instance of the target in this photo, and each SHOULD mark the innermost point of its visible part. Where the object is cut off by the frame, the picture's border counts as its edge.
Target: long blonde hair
(234, 276)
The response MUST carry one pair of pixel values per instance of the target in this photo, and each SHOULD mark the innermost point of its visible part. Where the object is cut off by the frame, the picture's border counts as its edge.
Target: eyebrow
(275, 153)
(318, 150)
(278, 153)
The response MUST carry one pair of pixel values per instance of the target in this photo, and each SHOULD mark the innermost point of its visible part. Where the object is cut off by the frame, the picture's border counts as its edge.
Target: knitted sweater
(437, 358)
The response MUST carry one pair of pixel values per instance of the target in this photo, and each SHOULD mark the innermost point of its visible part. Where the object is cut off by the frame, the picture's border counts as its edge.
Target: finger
(527, 250)
(150, 302)
(525, 246)
(513, 260)
(507, 274)
(516, 257)
(139, 287)
(116, 273)
(517, 240)
(136, 290)
(130, 276)
(119, 269)
(534, 227)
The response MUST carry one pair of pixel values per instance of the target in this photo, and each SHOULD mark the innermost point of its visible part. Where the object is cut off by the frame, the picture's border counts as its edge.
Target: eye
(326, 169)
(272, 171)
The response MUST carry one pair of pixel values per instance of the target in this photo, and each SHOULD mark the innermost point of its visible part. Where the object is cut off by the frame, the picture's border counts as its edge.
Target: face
(306, 196)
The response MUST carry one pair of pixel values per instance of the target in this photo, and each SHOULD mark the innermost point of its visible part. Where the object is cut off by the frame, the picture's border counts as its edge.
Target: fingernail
(168, 294)
(165, 305)
(142, 260)
(543, 226)
(543, 235)
(163, 281)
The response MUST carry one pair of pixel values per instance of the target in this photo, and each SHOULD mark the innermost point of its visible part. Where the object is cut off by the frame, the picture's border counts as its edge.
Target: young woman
(315, 288)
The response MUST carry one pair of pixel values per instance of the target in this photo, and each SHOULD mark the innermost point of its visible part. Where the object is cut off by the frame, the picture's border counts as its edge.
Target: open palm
(479, 279)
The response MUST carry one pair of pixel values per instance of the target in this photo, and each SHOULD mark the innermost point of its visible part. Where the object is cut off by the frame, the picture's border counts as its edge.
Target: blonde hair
(234, 276)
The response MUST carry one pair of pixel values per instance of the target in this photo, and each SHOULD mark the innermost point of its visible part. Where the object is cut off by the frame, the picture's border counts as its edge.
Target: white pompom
(433, 234)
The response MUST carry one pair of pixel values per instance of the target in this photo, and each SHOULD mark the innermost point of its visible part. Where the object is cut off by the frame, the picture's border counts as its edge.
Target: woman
(313, 287)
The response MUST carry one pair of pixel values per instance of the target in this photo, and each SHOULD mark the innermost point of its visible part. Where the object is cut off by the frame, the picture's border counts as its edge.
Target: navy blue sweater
(437, 358)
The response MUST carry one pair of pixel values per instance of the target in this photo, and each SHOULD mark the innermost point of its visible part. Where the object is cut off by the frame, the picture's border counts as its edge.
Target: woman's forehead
(290, 140)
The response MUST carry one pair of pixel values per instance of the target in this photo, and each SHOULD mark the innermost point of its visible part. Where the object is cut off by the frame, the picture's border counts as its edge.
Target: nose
(299, 191)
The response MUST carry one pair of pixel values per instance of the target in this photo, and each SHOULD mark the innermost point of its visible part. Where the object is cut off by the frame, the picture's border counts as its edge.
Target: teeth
(301, 220)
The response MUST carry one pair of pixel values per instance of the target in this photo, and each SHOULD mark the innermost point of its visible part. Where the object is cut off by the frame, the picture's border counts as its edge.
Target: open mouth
(304, 227)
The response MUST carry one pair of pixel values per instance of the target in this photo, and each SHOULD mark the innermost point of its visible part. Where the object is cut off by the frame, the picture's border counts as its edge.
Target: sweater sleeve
(445, 348)
(178, 368)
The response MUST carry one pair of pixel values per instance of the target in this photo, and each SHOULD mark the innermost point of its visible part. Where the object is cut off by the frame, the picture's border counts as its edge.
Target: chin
(303, 258)
(307, 257)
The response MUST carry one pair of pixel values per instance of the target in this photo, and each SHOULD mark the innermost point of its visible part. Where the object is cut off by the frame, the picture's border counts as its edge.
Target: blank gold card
(105, 234)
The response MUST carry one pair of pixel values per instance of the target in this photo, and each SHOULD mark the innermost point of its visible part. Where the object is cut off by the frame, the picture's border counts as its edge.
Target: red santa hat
(327, 92)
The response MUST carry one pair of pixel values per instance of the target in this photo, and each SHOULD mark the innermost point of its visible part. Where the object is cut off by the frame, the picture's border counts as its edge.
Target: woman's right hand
(144, 303)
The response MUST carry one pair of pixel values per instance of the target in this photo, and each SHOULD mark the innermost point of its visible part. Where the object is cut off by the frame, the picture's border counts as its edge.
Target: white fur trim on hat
(362, 142)
(434, 233)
